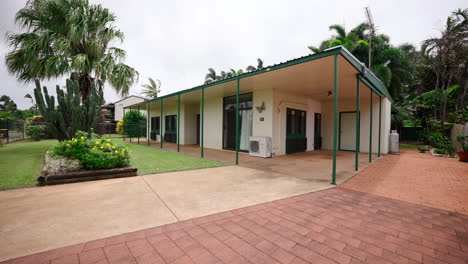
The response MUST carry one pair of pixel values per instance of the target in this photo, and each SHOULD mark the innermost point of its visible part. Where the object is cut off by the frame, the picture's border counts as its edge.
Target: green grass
(21, 163)
(151, 160)
(409, 146)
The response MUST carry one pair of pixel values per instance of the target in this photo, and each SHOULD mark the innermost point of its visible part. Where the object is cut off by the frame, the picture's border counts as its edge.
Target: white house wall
(262, 128)
(274, 120)
(350, 105)
(119, 106)
(213, 123)
(189, 134)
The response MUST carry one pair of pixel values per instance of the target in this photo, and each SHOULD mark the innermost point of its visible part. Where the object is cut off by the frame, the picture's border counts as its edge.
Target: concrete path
(38, 219)
(331, 226)
(417, 178)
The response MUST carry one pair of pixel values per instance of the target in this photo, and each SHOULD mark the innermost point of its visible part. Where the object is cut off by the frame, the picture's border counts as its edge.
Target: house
(107, 113)
(122, 103)
(327, 100)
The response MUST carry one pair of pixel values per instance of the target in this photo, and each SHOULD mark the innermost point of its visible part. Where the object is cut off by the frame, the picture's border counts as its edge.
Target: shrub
(35, 132)
(93, 153)
(463, 142)
(439, 140)
(120, 127)
(134, 123)
(439, 151)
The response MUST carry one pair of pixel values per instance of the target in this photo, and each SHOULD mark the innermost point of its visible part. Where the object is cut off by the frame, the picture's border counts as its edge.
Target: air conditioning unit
(260, 147)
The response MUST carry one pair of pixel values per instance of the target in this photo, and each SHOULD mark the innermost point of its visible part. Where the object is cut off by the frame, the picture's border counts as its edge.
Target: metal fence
(11, 130)
(105, 128)
(135, 131)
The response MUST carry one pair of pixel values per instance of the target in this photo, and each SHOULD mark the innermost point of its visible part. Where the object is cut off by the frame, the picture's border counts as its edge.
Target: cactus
(69, 115)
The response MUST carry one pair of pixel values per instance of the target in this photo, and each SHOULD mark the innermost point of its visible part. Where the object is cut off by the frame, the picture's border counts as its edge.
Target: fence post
(7, 131)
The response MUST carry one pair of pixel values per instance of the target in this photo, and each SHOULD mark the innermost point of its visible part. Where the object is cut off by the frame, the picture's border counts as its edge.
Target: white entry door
(347, 131)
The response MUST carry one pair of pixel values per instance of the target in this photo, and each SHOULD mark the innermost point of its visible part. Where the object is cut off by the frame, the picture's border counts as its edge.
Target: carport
(353, 107)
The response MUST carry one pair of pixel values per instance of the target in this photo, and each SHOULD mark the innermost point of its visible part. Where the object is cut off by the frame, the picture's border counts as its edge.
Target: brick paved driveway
(417, 178)
(332, 226)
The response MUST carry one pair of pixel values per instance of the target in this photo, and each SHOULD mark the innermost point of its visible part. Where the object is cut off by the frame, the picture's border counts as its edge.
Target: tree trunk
(85, 85)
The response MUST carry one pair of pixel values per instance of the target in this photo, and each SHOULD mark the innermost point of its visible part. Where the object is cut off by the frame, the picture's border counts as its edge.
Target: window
(171, 124)
(170, 129)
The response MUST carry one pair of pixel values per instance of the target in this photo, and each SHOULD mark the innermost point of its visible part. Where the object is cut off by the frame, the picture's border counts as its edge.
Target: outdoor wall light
(261, 108)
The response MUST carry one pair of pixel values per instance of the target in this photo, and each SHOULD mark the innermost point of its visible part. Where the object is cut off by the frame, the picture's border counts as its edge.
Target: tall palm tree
(259, 66)
(65, 36)
(152, 89)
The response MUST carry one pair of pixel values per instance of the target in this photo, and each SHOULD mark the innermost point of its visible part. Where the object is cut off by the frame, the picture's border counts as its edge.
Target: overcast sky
(177, 41)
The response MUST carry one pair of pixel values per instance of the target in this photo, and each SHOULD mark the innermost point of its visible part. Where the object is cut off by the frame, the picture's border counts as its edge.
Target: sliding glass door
(245, 122)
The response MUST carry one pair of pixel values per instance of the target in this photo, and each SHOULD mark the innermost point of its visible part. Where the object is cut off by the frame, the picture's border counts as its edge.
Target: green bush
(35, 132)
(92, 152)
(134, 124)
(439, 140)
(439, 151)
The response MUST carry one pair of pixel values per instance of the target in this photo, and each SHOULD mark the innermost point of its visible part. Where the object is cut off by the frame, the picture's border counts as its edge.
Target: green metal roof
(368, 77)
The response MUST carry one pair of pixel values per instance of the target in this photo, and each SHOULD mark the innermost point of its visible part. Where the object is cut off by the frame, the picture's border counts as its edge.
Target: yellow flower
(113, 147)
(97, 142)
(108, 140)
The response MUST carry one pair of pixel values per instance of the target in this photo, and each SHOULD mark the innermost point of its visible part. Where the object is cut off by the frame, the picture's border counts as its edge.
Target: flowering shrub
(93, 153)
(120, 128)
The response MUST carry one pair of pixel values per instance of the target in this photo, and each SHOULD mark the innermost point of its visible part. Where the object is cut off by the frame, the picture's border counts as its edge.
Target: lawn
(409, 146)
(151, 160)
(21, 162)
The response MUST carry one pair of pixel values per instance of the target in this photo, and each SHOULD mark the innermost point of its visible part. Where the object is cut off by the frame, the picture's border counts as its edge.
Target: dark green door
(296, 140)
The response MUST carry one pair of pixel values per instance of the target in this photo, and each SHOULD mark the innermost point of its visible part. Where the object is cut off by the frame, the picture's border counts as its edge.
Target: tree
(6, 104)
(211, 76)
(447, 56)
(391, 64)
(65, 36)
(152, 89)
(259, 66)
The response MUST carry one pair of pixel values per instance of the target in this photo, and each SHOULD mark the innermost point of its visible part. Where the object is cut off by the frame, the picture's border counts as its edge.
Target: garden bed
(60, 170)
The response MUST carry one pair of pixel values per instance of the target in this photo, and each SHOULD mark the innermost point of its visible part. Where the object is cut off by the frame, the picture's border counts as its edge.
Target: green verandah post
(139, 128)
(358, 121)
(124, 125)
(380, 122)
(202, 121)
(161, 124)
(335, 116)
(130, 135)
(178, 123)
(148, 123)
(370, 129)
(237, 122)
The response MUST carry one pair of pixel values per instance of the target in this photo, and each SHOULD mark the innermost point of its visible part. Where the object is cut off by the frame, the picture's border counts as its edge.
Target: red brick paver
(417, 178)
(331, 226)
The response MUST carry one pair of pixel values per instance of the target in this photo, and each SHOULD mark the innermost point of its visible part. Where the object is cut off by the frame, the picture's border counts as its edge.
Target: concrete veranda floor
(311, 166)
(39, 219)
